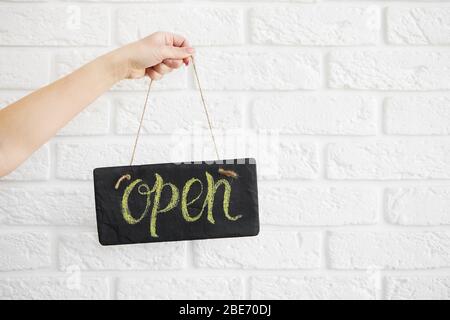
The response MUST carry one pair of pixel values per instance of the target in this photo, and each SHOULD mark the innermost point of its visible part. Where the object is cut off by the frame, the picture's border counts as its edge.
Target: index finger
(180, 41)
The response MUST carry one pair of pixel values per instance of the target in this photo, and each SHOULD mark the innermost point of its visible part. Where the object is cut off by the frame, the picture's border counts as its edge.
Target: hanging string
(140, 122)
(228, 173)
(205, 108)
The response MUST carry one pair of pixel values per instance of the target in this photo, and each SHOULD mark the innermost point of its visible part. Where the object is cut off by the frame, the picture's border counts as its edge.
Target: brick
(328, 115)
(317, 206)
(394, 159)
(418, 287)
(54, 288)
(413, 115)
(315, 25)
(24, 251)
(298, 1)
(232, 143)
(14, 62)
(312, 287)
(56, 25)
(298, 160)
(178, 111)
(277, 157)
(44, 205)
(418, 205)
(36, 167)
(258, 69)
(269, 250)
(285, 159)
(68, 61)
(94, 120)
(390, 69)
(158, 1)
(389, 250)
(83, 251)
(77, 160)
(201, 25)
(418, 25)
(180, 288)
(112, 1)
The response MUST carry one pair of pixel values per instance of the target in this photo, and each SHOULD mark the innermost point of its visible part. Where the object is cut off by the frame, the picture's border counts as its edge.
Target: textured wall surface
(354, 189)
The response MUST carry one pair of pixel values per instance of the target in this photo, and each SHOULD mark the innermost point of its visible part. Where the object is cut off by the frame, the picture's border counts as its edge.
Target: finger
(180, 41)
(168, 52)
(174, 64)
(153, 74)
(187, 60)
(162, 68)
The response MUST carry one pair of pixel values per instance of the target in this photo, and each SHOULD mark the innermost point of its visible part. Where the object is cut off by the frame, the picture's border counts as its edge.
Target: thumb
(169, 52)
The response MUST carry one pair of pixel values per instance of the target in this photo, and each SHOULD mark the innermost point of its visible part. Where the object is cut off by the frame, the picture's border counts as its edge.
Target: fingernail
(190, 50)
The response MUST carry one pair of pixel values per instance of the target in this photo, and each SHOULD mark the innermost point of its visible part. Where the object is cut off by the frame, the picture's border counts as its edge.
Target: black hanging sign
(170, 202)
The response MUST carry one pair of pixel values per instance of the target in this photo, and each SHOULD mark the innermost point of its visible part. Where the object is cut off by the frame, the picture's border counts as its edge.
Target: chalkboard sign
(171, 202)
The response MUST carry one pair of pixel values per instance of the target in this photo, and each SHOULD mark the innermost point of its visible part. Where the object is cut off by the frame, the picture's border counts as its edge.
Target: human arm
(31, 121)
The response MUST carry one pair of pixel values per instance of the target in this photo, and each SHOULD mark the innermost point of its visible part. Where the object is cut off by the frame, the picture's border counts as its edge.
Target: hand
(155, 55)
(30, 122)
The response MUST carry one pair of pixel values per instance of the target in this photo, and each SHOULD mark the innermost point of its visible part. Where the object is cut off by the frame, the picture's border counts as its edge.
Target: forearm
(30, 122)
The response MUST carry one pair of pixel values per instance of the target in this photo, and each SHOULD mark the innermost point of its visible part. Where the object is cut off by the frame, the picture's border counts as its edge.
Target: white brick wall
(313, 287)
(192, 287)
(354, 189)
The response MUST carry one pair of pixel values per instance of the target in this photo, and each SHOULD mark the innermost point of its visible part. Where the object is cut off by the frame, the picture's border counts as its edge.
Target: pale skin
(30, 122)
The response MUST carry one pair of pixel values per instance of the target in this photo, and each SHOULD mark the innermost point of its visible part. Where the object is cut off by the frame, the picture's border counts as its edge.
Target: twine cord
(205, 108)
(140, 123)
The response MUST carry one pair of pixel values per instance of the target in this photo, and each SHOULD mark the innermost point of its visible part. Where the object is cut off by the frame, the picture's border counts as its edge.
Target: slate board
(113, 228)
